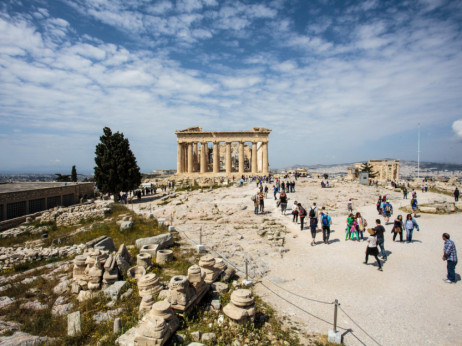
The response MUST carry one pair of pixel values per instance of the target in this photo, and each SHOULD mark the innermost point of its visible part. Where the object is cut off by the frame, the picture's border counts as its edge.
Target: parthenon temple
(222, 152)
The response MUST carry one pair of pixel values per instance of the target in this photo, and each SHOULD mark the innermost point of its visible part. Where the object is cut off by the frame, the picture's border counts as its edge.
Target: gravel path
(407, 303)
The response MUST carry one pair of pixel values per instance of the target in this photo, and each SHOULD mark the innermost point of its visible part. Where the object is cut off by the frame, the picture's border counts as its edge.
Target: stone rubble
(74, 214)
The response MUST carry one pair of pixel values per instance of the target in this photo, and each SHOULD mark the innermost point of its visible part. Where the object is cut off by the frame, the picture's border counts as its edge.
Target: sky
(336, 81)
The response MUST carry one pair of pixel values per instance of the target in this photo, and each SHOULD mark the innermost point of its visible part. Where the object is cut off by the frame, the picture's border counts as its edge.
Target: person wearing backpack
(283, 202)
(414, 205)
(387, 211)
(302, 215)
(295, 212)
(326, 221)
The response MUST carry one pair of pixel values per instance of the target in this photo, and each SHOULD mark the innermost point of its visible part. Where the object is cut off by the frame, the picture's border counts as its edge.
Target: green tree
(74, 174)
(63, 178)
(116, 168)
(366, 167)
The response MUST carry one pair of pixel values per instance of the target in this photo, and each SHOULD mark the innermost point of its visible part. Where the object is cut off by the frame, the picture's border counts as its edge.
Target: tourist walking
(398, 228)
(295, 212)
(350, 206)
(326, 221)
(450, 256)
(302, 215)
(414, 205)
(313, 227)
(256, 203)
(361, 225)
(379, 231)
(410, 224)
(275, 191)
(283, 202)
(261, 200)
(387, 211)
(404, 193)
(349, 221)
(379, 206)
(456, 194)
(266, 191)
(371, 248)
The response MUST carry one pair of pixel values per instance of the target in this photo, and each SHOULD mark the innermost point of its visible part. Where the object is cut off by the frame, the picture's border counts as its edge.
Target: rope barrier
(357, 325)
(295, 294)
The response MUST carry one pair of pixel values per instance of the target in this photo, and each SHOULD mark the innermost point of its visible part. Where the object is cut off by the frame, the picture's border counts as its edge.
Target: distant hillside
(407, 168)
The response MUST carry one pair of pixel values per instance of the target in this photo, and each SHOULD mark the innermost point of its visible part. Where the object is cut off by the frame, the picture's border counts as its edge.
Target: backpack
(302, 212)
(325, 220)
(253, 198)
(388, 208)
(312, 213)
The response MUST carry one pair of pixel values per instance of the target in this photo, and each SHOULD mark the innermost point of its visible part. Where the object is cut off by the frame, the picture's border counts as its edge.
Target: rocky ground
(299, 281)
(392, 307)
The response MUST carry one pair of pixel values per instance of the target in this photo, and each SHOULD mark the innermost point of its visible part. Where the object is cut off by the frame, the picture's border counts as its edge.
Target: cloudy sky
(336, 81)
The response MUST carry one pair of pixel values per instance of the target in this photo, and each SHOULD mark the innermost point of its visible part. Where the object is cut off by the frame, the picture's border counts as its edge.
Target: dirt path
(407, 303)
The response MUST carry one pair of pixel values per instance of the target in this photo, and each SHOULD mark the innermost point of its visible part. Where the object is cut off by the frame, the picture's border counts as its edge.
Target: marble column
(228, 157)
(179, 159)
(241, 157)
(185, 157)
(265, 157)
(203, 158)
(216, 157)
(254, 158)
(190, 158)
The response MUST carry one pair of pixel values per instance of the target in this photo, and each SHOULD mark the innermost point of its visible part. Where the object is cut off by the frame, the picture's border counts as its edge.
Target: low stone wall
(73, 215)
(9, 256)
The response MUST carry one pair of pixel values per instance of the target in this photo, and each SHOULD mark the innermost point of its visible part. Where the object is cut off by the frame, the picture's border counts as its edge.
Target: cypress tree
(116, 168)
(74, 174)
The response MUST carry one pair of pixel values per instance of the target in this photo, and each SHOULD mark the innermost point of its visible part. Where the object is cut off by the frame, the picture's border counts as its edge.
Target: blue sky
(336, 81)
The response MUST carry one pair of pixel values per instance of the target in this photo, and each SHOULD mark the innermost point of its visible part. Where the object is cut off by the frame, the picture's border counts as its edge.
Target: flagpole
(418, 153)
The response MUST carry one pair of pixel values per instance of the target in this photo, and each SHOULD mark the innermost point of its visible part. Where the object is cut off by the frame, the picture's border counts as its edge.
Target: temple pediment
(190, 129)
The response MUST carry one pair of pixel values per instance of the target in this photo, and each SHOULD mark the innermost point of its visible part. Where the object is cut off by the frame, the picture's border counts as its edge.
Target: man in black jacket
(380, 230)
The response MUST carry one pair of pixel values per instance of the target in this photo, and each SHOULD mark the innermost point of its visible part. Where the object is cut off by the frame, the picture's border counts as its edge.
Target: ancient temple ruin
(384, 170)
(231, 152)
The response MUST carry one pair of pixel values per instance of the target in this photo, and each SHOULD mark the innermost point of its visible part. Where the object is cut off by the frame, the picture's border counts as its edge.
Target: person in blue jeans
(379, 231)
(450, 256)
(410, 224)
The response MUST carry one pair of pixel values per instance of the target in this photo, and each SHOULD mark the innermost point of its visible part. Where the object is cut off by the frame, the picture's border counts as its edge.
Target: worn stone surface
(23, 339)
(114, 291)
(73, 324)
(163, 240)
(104, 316)
(5, 301)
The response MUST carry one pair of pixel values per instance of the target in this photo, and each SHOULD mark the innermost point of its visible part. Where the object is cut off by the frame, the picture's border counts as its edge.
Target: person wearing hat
(350, 206)
(372, 247)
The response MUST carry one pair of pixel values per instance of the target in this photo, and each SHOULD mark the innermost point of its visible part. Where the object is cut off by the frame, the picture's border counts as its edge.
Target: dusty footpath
(407, 303)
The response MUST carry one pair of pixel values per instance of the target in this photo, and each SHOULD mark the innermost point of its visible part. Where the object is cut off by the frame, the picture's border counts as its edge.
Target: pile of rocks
(9, 256)
(73, 215)
(17, 231)
(438, 207)
(98, 269)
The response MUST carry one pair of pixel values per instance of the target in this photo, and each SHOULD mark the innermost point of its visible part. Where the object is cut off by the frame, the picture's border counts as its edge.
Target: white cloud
(457, 127)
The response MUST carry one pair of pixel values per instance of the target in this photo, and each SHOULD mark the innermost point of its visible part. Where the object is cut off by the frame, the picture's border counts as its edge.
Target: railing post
(335, 315)
(246, 270)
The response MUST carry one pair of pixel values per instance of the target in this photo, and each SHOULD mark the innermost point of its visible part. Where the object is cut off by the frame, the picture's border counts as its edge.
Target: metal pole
(171, 219)
(335, 315)
(246, 270)
(200, 236)
(418, 154)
